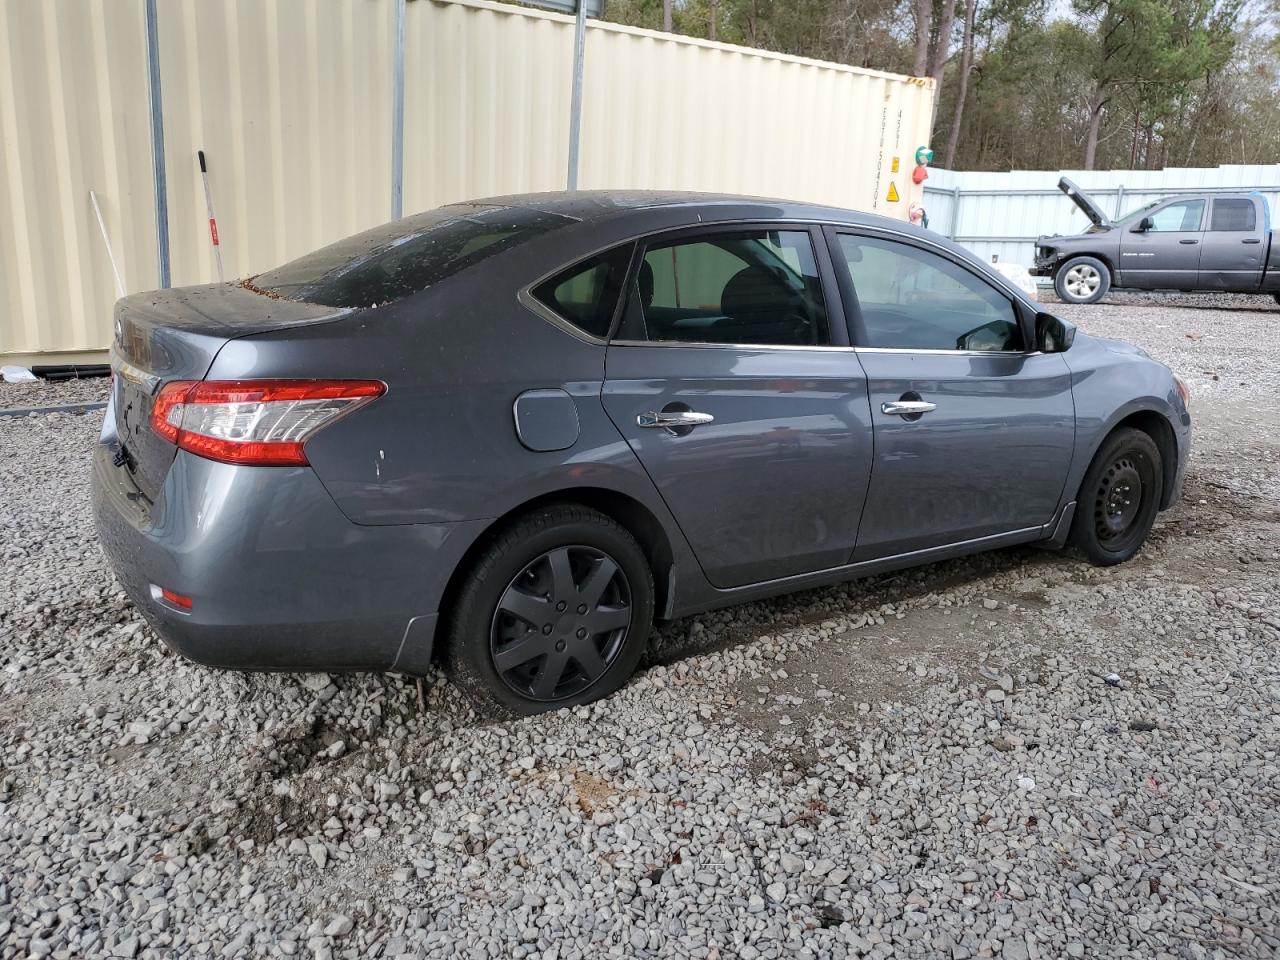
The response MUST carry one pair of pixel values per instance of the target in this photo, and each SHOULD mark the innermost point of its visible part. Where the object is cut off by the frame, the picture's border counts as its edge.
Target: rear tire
(1082, 280)
(1119, 498)
(555, 613)
(1277, 296)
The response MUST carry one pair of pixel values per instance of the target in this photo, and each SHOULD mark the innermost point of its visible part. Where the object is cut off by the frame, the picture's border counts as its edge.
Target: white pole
(397, 113)
(107, 241)
(575, 98)
(213, 223)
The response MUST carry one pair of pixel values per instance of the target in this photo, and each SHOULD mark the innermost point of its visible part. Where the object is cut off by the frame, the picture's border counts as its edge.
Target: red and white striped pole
(213, 221)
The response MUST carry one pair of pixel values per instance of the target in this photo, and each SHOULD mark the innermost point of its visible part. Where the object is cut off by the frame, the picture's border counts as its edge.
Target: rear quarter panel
(441, 444)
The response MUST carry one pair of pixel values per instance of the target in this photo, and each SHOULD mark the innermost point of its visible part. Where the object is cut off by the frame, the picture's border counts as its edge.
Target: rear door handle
(907, 408)
(1251, 240)
(674, 418)
(1188, 241)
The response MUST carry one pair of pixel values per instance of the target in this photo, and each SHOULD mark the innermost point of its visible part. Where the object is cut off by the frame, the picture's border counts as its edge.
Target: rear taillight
(259, 422)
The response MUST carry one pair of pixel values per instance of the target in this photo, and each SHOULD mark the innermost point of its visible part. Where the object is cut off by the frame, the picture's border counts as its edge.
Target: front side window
(1235, 216)
(405, 256)
(748, 287)
(587, 293)
(1181, 217)
(911, 299)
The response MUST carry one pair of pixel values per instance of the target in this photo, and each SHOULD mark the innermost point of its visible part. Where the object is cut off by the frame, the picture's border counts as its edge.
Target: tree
(962, 92)
(933, 44)
(1149, 51)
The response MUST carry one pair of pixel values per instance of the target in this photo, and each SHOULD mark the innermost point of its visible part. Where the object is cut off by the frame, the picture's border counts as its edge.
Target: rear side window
(749, 287)
(587, 293)
(911, 299)
(1234, 216)
(398, 259)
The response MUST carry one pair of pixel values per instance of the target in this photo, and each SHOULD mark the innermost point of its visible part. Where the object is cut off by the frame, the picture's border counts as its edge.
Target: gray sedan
(509, 434)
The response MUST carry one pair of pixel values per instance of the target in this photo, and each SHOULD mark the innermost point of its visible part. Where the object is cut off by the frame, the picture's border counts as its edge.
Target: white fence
(1002, 214)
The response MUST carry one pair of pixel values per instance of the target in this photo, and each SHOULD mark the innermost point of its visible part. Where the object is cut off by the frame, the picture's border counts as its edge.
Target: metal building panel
(291, 103)
(663, 111)
(486, 101)
(73, 118)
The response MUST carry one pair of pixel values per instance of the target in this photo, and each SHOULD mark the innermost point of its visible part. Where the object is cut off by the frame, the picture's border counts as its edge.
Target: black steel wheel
(556, 612)
(1118, 498)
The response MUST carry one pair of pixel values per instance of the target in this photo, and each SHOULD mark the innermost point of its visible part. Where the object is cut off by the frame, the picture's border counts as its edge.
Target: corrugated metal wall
(291, 103)
(73, 118)
(291, 100)
(1001, 214)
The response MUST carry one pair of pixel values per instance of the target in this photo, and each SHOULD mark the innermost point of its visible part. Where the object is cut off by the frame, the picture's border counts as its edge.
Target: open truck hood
(1082, 200)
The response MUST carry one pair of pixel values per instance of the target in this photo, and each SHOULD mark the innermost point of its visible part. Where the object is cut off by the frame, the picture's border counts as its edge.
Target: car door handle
(674, 418)
(1188, 241)
(1251, 240)
(907, 408)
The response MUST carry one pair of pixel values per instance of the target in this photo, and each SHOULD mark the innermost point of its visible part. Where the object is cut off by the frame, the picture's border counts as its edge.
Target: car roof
(594, 206)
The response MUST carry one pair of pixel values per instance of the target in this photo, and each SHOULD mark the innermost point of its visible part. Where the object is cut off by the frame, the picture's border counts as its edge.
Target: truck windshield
(1135, 214)
(397, 259)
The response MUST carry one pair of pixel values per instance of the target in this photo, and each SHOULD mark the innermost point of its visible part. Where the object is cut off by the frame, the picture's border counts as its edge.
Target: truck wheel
(1277, 296)
(1082, 280)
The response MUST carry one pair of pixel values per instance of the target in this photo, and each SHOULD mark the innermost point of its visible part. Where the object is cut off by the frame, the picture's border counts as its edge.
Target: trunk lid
(1083, 201)
(174, 334)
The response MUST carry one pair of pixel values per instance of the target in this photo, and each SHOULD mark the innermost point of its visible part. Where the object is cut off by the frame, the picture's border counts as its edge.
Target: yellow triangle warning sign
(893, 193)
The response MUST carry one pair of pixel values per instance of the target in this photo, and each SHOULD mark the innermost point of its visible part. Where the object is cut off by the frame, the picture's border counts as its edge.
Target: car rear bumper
(278, 577)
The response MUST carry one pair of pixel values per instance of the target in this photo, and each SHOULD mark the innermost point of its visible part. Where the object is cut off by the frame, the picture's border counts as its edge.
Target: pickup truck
(1211, 241)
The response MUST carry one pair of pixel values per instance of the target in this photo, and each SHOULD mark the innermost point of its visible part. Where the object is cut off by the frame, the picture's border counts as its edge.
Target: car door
(751, 419)
(973, 431)
(1231, 258)
(1167, 254)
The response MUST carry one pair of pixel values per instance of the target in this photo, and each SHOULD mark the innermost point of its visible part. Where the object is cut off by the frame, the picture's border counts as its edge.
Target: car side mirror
(1144, 225)
(1053, 334)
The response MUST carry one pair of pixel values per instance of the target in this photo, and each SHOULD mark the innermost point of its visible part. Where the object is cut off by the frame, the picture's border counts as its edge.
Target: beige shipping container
(291, 101)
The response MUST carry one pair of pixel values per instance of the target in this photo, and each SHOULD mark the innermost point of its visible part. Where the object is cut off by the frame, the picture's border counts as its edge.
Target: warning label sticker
(893, 193)
(893, 167)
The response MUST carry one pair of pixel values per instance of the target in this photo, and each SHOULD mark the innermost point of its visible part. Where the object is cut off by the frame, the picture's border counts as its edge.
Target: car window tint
(1233, 215)
(1178, 217)
(587, 293)
(397, 259)
(752, 287)
(912, 299)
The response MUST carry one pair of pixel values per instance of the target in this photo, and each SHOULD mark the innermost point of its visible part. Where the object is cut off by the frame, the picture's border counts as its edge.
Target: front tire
(555, 613)
(1082, 280)
(1119, 498)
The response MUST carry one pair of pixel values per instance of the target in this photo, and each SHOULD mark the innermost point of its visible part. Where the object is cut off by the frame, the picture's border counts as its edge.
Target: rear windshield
(401, 258)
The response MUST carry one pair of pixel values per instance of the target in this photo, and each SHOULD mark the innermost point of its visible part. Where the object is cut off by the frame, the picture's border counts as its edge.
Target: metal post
(575, 102)
(955, 212)
(397, 115)
(1119, 201)
(157, 143)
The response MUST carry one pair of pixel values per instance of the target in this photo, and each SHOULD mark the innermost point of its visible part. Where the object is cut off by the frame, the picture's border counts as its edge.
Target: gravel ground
(46, 393)
(929, 764)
